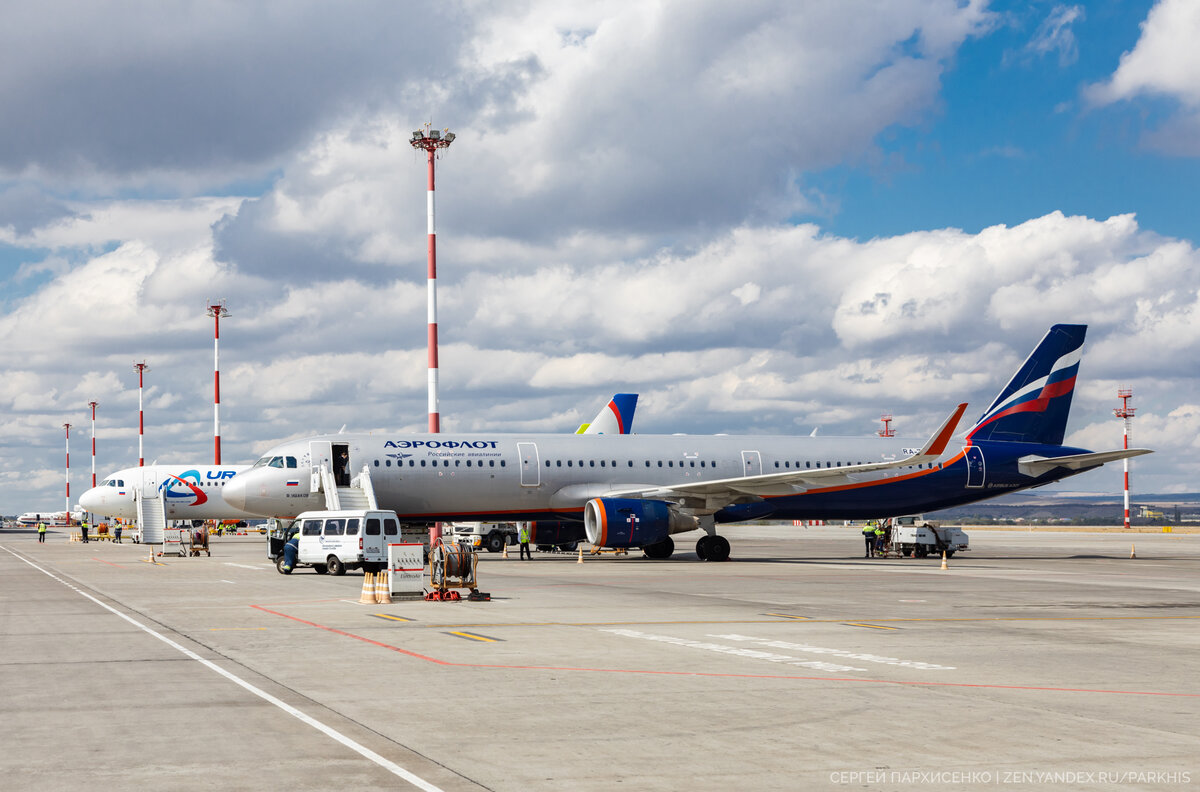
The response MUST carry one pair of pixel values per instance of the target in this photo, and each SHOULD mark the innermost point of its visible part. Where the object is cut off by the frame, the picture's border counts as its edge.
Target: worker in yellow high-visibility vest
(523, 536)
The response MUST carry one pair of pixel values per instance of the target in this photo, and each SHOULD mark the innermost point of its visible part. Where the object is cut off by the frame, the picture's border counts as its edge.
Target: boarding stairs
(151, 519)
(359, 495)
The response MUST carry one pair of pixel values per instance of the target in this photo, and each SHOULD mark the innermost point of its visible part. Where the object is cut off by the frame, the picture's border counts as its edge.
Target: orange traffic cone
(1133, 551)
(368, 591)
(505, 550)
(944, 560)
(580, 559)
(383, 589)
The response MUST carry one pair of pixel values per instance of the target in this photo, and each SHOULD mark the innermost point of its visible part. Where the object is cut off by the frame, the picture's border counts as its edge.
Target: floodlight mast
(67, 477)
(140, 368)
(216, 310)
(1125, 413)
(93, 404)
(431, 140)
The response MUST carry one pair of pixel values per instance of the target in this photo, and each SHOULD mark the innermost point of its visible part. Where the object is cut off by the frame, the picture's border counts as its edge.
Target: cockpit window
(291, 461)
(262, 462)
(276, 462)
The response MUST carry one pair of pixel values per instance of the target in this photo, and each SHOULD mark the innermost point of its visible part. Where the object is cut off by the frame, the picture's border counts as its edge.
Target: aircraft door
(975, 466)
(751, 463)
(149, 487)
(531, 472)
(319, 451)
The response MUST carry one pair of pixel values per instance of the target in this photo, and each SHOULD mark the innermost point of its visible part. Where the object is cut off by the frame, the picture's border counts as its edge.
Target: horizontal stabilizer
(1034, 465)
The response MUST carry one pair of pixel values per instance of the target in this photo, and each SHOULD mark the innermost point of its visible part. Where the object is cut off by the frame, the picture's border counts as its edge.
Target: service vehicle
(335, 541)
(913, 535)
(490, 536)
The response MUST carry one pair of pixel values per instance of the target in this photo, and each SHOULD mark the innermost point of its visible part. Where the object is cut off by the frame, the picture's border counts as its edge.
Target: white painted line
(862, 656)
(328, 731)
(739, 651)
(242, 566)
(223, 580)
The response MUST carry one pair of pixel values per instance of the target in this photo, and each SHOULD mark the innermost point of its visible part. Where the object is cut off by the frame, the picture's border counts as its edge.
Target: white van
(334, 541)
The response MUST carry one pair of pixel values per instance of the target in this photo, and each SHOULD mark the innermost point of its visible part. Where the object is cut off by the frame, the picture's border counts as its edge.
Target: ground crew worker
(117, 532)
(41, 532)
(523, 536)
(868, 533)
(879, 536)
(83, 526)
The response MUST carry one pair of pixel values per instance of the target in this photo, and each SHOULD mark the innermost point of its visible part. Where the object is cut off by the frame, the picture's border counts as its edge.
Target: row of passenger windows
(348, 526)
(604, 463)
(444, 463)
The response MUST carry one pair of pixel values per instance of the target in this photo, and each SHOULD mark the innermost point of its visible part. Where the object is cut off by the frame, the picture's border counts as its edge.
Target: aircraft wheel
(718, 549)
(702, 546)
(660, 550)
(335, 566)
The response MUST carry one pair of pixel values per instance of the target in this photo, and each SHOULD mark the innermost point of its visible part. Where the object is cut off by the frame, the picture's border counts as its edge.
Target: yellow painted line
(788, 616)
(474, 637)
(872, 626)
(234, 629)
(389, 617)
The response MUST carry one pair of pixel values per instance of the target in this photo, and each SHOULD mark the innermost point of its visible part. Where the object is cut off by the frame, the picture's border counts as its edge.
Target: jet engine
(629, 522)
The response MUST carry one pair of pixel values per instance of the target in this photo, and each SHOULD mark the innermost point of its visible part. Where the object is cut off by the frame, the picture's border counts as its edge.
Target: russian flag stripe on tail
(1033, 407)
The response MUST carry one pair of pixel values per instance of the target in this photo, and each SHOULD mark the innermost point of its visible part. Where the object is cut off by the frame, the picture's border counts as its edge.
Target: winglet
(941, 438)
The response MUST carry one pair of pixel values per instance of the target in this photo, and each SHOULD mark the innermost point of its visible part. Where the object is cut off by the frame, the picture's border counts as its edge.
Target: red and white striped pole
(216, 311)
(93, 404)
(67, 426)
(1125, 413)
(431, 140)
(140, 368)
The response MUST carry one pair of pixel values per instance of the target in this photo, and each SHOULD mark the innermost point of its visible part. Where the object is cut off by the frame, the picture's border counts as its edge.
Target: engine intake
(629, 522)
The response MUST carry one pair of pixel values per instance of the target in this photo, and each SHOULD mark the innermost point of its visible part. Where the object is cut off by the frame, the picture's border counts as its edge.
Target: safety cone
(944, 560)
(505, 550)
(368, 591)
(383, 589)
(580, 559)
(1133, 551)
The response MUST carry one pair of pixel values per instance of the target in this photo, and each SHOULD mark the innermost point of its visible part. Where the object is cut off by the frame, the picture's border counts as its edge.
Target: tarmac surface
(1035, 661)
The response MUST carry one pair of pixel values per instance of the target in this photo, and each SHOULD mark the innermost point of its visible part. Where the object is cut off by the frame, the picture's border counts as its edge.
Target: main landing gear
(659, 550)
(712, 547)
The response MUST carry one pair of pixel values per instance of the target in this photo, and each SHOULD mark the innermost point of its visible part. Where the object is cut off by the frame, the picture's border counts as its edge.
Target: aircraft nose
(234, 492)
(90, 500)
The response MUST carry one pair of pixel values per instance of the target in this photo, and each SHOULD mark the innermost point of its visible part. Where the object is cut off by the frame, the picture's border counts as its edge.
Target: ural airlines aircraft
(190, 492)
(638, 491)
(194, 492)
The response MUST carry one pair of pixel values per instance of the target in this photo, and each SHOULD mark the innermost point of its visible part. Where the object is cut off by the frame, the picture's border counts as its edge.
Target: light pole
(140, 368)
(1125, 413)
(67, 426)
(216, 311)
(431, 140)
(93, 404)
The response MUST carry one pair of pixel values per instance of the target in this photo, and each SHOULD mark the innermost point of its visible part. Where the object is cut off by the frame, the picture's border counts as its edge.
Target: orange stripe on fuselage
(877, 482)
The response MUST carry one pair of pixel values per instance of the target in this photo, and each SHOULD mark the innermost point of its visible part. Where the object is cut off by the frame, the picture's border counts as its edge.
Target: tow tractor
(914, 536)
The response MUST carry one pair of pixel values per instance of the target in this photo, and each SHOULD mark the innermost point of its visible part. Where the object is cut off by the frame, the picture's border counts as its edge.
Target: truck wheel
(320, 569)
(949, 554)
(495, 542)
(921, 551)
(335, 565)
(282, 569)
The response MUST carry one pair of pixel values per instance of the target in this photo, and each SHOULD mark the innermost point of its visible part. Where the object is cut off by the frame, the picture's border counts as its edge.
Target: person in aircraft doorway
(343, 470)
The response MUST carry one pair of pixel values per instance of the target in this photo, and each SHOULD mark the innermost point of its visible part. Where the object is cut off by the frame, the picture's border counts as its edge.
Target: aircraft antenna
(1125, 413)
(67, 426)
(887, 430)
(431, 140)
(140, 368)
(216, 310)
(93, 404)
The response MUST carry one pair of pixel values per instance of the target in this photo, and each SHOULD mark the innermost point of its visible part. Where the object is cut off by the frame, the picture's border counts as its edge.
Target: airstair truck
(914, 536)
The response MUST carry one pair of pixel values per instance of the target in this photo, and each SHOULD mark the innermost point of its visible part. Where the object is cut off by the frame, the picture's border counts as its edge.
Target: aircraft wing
(1034, 465)
(722, 492)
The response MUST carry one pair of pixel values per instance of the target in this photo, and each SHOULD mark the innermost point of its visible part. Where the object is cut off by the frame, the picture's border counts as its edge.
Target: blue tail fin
(616, 417)
(1033, 407)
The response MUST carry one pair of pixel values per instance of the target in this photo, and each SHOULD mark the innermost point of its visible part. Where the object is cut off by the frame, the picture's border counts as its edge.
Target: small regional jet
(194, 492)
(638, 491)
(53, 519)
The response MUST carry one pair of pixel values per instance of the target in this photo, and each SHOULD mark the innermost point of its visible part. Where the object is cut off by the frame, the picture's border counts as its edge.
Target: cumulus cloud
(1163, 64)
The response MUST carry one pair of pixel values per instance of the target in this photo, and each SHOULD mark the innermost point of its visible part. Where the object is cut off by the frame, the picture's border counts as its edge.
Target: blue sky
(762, 217)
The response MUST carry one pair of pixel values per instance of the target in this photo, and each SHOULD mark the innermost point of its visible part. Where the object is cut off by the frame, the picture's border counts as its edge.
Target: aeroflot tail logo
(185, 485)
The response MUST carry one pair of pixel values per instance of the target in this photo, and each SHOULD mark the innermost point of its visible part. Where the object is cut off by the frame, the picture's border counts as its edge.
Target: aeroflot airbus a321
(636, 491)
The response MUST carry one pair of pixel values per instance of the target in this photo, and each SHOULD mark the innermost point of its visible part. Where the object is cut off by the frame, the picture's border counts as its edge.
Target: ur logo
(185, 485)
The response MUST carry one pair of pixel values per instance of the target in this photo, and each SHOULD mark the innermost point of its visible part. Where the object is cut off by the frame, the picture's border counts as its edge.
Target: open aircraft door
(976, 468)
(531, 472)
(320, 452)
(751, 463)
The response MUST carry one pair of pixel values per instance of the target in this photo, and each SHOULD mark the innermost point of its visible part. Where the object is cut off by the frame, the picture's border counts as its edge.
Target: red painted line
(110, 563)
(712, 674)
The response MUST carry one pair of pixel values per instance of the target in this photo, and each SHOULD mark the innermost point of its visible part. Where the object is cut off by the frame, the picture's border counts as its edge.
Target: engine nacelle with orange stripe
(629, 522)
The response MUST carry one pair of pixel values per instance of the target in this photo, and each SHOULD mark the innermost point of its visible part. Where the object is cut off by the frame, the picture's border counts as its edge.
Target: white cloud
(1164, 63)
